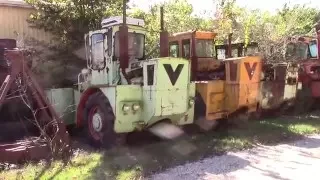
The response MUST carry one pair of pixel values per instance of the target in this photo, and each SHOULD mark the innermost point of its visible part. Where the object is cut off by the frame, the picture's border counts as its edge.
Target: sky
(200, 6)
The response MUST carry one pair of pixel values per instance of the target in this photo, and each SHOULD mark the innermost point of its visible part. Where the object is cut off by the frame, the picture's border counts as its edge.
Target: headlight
(191, 102)
(126, 108)
(135, 107)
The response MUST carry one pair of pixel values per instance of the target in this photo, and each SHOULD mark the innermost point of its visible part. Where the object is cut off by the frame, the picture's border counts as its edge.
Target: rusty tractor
(279, 85)
(19, 88)
(224, 88)
(121, 91)
(307, 50)
(279, 81)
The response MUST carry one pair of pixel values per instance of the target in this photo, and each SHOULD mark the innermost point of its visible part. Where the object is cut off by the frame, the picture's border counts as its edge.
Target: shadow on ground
(147, 158)
(146, 154)
(309, 143)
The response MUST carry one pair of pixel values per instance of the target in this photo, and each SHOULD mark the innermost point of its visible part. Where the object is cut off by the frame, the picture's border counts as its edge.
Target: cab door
(96, 56)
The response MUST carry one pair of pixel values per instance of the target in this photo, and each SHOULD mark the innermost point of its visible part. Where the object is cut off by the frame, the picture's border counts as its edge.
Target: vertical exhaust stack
(164, 37)
(194, 57)
(123, 44)
(229, 45)
(123, 37)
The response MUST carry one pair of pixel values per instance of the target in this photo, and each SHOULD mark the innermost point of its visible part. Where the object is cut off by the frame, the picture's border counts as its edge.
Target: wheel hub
(97, 122)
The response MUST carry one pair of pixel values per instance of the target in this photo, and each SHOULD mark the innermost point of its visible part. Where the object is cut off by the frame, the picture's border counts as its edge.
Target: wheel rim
(95, 123)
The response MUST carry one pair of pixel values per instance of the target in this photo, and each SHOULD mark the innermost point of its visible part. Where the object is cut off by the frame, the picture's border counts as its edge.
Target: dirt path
(295, 161)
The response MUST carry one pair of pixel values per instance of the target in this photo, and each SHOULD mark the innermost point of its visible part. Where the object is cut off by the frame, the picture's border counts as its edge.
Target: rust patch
(49, 123)
(281, 72)
(233, 70)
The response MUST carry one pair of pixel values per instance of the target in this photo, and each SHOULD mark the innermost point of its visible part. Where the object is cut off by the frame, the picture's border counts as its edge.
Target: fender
(83, 99)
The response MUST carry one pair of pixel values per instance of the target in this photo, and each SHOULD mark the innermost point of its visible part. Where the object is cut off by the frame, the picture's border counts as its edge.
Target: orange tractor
(223, 87)
(279, 81)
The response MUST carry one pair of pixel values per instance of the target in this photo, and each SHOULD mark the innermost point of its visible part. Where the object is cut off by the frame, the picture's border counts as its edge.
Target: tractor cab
(237, 50)
(103, 52)
(302, 48)
(197, 46)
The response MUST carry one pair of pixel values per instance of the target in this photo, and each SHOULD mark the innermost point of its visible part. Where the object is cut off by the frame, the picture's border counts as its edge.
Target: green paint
(63, 102)
(162, 90)
(157, 102)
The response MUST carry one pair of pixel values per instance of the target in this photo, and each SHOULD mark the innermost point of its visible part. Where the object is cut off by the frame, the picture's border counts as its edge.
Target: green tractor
(121, 91)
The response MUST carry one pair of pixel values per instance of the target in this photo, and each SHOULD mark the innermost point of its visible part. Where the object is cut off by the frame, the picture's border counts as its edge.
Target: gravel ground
(299, 160)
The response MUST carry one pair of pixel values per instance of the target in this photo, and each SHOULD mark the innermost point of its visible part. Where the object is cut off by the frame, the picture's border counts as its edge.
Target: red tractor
(309, 72)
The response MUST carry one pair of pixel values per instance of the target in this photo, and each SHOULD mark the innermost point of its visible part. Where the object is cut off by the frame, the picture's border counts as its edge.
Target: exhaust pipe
(123, 43)
(230, 45)
(164, 37)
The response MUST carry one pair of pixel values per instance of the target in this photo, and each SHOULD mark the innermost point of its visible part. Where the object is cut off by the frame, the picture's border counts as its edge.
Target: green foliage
(69, 20)
(178, 18)
(269, 30)
(298, 20)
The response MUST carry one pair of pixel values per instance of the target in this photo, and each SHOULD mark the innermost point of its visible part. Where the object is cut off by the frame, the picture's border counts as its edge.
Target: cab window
(313, 49)
(204, 48)
(186, 48)
(174, 49)
(97, 55)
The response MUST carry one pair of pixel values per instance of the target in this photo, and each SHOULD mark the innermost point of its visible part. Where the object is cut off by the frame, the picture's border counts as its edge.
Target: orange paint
(239, 90)
(220, 98)
(205, 35)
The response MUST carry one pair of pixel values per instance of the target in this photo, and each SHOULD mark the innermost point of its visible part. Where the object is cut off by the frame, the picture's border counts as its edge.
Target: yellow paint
(212, 93)
(238, 90)
(223, 97)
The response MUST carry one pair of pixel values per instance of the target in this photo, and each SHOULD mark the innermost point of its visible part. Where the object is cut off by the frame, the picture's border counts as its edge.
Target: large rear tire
(99, 121)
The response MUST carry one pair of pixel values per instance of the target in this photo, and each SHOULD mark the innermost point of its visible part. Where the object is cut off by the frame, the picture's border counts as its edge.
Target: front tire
(99, 121)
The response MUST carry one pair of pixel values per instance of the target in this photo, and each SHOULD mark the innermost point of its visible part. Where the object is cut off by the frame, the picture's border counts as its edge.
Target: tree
(69, 20)
(178, 18)
(269, 30)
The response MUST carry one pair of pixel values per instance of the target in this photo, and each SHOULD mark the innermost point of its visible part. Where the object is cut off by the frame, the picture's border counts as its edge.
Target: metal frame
(46, 117)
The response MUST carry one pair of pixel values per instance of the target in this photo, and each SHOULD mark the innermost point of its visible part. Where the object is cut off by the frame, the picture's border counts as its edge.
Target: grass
(136, 162)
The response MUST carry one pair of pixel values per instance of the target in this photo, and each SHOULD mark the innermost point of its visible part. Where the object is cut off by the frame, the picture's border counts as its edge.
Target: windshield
(251, 50)
(221, 54)
(234, 52)
(302, 50)
(204, 48)
(135, 45)
(97, 51)
(313, 48)
(297, 50)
